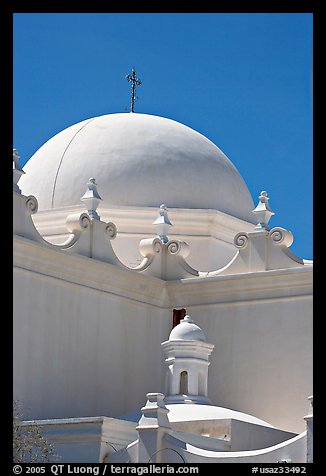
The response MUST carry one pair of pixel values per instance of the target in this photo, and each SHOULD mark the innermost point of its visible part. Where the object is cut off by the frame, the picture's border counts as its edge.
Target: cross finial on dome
(91, 198)
(17, 170)
(132, 78)
(162, 224)
(263, 211)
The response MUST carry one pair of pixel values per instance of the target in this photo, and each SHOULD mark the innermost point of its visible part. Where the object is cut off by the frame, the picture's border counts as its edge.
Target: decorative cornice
(30, 256)
(86, 430)
(258, 250)
(87, 236)
(165, 259)
(52, 263)
(236, 289)
(261, 250)
(23, 209)
(136, 220)
(17, 170)
(91, 237)
(190, 348)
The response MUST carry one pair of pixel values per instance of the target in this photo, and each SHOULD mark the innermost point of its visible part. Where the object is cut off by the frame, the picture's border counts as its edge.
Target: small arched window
(184, 383)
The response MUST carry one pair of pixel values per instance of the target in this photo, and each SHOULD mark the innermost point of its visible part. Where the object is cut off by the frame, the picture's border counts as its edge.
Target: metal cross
(132, 78)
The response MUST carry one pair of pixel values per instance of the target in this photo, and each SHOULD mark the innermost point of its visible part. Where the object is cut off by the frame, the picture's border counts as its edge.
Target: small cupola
(187, 359)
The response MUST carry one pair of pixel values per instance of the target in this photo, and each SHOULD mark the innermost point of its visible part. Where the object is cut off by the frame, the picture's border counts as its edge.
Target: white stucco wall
(262, 359)
(86, 439)
(81, 352)
(87, 337)
(293, 450)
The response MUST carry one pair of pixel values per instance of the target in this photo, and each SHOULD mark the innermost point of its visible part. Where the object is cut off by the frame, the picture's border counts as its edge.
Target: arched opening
(184, 383)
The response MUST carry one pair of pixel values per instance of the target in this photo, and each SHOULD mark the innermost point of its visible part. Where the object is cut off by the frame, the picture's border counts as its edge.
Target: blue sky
(243, 80)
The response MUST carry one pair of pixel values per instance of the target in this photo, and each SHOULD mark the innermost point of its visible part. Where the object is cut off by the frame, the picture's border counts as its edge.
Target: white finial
(263, 211)
(162, 224)
(311, 405)
(186, 319)
(91, 199)
(17, 170)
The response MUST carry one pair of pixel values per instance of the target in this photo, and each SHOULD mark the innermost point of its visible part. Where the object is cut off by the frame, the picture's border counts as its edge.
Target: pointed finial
(17, 170)
(311, 405)
(263, 211)
(91, 198)
(132, 78)
(162, 224)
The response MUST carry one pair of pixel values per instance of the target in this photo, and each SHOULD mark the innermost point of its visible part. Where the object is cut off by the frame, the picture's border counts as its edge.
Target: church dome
(137, 160)
(187, 330)
(189, 412)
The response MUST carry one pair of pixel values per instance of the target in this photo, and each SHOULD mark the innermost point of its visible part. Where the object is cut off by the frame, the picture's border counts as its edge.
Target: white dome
(191, 412)
(183, 412)
(187, 330)
(137, 160)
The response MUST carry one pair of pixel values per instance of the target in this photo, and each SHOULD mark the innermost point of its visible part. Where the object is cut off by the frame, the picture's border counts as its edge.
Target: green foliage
(29, 445)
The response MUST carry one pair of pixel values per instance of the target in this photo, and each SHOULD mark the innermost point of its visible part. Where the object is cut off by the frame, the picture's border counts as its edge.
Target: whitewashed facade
(102, 264)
